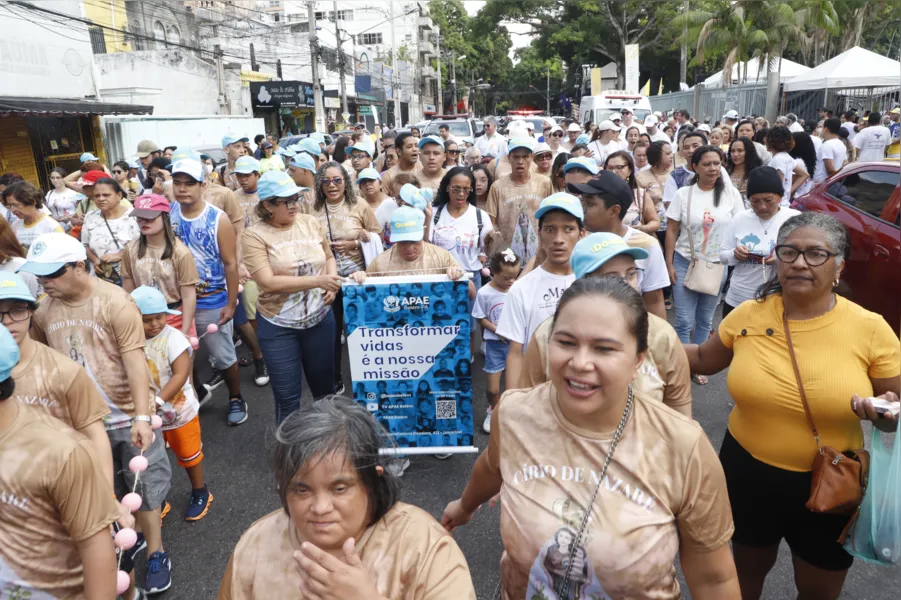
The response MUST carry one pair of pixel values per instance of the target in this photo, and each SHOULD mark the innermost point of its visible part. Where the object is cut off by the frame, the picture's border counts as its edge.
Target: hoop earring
(835, 283)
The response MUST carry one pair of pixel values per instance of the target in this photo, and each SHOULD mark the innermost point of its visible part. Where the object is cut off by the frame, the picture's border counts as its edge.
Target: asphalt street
(238, 474)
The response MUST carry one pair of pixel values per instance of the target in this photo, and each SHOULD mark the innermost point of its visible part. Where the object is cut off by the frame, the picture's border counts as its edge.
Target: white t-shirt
(747, 229)
(530, 301)
(851, 133)
(654, 275)
(659, 136)
(872, 142)
(796, 127)
(785, 164)
(495, 146)
(832, 149)
(161, 352)
(27, 234)
(98, 236)
(602, 151)
(804, 188)
(62, 204)
(459, 236)
(489, 305)
(383, 216)
(708, 222)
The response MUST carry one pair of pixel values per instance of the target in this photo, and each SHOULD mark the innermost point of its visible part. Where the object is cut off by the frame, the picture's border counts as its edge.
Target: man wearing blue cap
(534, 297)
(513, 201)
(361, 154)
(247, 171)
(431, 156)
(302, 169)
(664, 374)
(233, 144)
(407, 147)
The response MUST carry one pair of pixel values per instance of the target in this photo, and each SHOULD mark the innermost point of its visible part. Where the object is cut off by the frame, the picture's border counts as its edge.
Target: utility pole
(440, 106)
(394, 78)
(454, 78)
(549, 91)
(683, 51)
(319, 122)
(340, 60)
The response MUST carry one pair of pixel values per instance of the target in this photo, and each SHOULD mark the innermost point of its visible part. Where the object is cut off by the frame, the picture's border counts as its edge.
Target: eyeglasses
(16, 315)
(617, 168)
(56, 274)
(336, 181)
(814, 257)
(558, 134)
(460, 191)
(358, 156)
(544, 157)
(118, 172)
(288, 202)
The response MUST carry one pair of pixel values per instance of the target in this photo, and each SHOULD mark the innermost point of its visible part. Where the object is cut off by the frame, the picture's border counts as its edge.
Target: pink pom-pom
(122, 582)
(138, 464)
(156, 421)
(212, 328)
(126, 538)
(195, 343)
(486, 272)
(240, 289)
(132, 502)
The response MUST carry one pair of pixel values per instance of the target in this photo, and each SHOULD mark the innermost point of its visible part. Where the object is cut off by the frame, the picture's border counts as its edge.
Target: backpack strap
(437, 215)
(479, 221)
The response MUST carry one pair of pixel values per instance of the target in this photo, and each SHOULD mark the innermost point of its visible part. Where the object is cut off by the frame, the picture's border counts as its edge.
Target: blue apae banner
(408, 341)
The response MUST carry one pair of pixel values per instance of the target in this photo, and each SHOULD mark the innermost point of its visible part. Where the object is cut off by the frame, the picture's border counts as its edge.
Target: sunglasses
(336, 181)
(453, 152)
(558, 134)
(56, 274)
(118, 171)
(460, 191)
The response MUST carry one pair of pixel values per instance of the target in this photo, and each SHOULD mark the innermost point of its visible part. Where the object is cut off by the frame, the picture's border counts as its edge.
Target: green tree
(724, 31)
(821, 21)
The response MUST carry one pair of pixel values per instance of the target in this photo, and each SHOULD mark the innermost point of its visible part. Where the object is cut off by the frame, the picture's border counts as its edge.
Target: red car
(866, 197)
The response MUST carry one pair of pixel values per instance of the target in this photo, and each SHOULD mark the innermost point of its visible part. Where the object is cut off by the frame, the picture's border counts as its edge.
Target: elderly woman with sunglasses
(342, 533)
(797, 339)
(290, 258)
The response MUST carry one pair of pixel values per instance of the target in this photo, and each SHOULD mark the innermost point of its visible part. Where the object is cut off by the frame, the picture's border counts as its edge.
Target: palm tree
(725, 30)
(822, 21)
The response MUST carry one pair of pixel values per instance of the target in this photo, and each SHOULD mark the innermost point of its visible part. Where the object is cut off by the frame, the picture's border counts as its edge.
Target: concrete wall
(110, 13)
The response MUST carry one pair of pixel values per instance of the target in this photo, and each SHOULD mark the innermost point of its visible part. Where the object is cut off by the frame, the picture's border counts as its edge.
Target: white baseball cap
(704, 127)
(51, 252)
(608, 125)
(731, 114)
(650, 121)
(189, 167)
(574, 127)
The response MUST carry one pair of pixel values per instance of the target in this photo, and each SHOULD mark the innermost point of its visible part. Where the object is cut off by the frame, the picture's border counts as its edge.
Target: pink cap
(149, 206)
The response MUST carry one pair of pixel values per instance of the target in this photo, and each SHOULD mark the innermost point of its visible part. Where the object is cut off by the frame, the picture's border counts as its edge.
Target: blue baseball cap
(560, 201)
(310, 146)
(9, 353)
(247, 165)
(151, 301)
(12, 287)
(431, 140)
(277, 184)
(303, 161)
(527, 143)
(363, 145)
(133, 163)
(413, 196)
(187, 153)
(86, 157)
(368, 174)
(583, 138)
(319, 137)
(407, 225)
(230, 138)
(581, 162)
(591, 252)
(289, 151)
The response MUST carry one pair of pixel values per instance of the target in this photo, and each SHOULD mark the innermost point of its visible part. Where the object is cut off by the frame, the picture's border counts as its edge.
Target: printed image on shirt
(562, 571)
(525, 238)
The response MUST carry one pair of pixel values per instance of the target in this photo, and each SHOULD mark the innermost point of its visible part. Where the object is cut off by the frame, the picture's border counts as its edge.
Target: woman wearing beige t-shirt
(600, 488)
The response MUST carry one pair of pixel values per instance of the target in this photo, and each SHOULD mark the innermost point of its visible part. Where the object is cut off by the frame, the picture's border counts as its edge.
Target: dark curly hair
(443, 196)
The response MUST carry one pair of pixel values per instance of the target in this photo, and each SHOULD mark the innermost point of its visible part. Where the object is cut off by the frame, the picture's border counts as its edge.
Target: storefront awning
(12, 105)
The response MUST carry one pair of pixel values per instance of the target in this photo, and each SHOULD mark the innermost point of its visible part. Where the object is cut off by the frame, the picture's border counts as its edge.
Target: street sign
(281, 94)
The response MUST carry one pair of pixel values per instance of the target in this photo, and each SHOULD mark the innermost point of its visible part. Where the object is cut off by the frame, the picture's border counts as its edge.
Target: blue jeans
(692, 308)
(289, 353)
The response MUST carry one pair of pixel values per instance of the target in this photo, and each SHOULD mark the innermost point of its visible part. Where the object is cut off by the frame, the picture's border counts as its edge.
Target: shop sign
(281, 94)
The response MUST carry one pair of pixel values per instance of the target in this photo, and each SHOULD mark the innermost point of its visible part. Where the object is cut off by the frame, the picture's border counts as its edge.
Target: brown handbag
(838, 478)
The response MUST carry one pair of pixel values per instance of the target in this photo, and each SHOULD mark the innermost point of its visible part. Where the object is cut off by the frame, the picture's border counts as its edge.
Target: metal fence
(751, 100)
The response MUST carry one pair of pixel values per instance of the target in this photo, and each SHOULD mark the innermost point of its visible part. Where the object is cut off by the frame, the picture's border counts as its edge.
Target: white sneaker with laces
(486, 424)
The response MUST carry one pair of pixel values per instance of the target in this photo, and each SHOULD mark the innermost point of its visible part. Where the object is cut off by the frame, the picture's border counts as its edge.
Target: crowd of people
(577, 242)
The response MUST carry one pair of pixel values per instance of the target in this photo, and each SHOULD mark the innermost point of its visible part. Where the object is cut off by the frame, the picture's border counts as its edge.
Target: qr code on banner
(445, 409)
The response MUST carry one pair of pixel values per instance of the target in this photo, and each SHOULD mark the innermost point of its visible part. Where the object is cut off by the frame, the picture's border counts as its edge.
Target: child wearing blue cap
(169, 366)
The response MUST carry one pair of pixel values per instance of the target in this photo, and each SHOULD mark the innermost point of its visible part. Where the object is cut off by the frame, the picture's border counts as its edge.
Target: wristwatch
(143, 418)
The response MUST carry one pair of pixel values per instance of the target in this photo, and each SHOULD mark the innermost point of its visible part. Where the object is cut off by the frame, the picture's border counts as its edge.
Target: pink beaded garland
(156, 421)
(212, 328)
(122, 582)
(126, 538)
(138, 464)
(132, 502)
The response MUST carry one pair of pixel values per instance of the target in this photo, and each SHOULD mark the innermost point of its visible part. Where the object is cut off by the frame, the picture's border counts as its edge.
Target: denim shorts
(495, 356)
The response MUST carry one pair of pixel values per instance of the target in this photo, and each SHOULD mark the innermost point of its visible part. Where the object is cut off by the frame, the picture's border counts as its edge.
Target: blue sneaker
(237, 411)
(199, 505)
(159, 573)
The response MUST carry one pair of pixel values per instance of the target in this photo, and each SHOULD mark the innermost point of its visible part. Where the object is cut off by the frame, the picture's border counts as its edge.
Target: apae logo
(38, 248)
(392, 304)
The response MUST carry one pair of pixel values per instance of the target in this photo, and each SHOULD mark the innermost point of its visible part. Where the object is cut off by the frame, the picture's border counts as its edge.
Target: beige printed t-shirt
(165, 275)
(432, 261)
(300, 250)
(54, 495)
(664, 489)
(247, 203)
(95, 334)
(430, 182)
(663, 375)
(513, 209)
(53, 384)
(407, 553)
(502, 167)
(347, 224)
(389, 175)
(224, 199)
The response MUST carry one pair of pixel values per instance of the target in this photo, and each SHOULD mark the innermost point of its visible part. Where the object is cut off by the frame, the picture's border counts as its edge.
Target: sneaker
(486, 424)
(215, 381)
(237, 411)
(442, 456)
(129, 557)
(397, 465)
(159, 573)
(339, 387)
(261, 374)
(140, 594)
(203, 394)
(199, 505)
(164, 510)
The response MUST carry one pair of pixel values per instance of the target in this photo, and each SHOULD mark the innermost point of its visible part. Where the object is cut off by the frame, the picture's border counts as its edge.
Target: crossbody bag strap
(791, 352)
(437, 215)
(691, 238)
(110, 229)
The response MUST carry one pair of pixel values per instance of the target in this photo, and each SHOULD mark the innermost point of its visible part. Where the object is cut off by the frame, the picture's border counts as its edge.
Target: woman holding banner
(289, 257)
(347, 221)
(584, 464)
(341, 533)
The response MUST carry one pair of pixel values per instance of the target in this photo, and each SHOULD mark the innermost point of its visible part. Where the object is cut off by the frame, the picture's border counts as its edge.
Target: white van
(601, 107)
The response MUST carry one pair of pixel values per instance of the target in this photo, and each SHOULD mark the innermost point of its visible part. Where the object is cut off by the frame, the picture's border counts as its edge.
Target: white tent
(789, 71)
(854, 68)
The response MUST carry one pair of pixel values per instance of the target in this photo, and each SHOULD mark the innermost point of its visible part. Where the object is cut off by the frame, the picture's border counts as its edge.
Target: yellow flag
(646, 90)
(660, 90)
